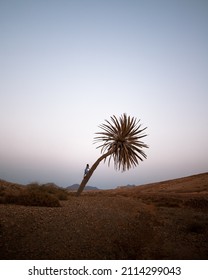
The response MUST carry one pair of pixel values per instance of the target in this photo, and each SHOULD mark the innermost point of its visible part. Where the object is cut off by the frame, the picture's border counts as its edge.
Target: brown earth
(166, 220)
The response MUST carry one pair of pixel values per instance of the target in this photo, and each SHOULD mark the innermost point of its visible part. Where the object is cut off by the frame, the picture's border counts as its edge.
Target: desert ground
(165, 220)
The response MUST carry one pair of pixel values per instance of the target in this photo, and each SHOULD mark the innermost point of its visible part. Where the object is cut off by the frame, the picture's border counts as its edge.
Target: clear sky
(67, 65)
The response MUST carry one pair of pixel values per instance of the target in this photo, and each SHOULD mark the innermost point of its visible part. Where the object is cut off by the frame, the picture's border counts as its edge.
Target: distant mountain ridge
(75, 187)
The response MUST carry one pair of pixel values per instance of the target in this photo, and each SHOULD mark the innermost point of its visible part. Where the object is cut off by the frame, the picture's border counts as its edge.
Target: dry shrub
(195, 227)
(199, 203)
(163, 201)
(168, 203)
(59, 193)
(1, 194)
(33, 195)
(8, 194)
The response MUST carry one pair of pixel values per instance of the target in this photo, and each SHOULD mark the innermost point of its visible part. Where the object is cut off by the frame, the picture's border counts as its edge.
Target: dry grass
(166, 220)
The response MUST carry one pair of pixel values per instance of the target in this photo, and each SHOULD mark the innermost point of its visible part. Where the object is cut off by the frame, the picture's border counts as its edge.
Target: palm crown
(122, 137)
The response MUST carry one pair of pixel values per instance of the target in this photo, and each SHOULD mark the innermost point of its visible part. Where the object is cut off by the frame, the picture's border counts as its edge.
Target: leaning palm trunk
(92, 169)
(121, 141)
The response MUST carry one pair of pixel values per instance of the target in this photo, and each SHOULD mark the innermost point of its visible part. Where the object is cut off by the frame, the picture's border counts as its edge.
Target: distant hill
(75, 187)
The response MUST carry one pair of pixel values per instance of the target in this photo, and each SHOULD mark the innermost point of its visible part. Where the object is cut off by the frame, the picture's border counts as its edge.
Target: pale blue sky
(66, 66)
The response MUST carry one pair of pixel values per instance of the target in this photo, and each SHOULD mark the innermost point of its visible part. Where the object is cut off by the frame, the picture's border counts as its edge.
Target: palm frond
(122, 136)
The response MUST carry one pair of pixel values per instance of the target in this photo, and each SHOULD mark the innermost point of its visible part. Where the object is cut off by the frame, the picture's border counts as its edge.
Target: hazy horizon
(66, 66)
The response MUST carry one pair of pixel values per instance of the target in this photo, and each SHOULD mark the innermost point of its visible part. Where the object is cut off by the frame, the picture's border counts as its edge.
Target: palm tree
(121, 142)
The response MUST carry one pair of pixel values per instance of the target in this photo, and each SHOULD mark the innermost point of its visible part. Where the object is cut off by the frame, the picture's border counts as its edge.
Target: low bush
(161, 201)
(195, 227)
(200, 203)
(34, 195)
(50, 188)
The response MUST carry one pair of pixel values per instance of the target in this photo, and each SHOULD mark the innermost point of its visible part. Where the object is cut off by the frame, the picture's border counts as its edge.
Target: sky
(68, 65)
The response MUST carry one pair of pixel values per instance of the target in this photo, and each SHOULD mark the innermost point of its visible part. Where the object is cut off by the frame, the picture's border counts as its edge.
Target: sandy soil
(166, 220)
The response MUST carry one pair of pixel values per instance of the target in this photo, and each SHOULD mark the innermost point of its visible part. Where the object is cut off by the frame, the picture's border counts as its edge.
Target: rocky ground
(166, 220)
